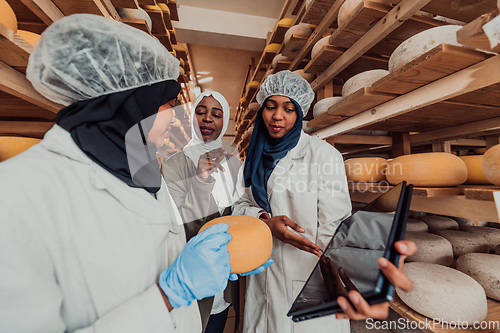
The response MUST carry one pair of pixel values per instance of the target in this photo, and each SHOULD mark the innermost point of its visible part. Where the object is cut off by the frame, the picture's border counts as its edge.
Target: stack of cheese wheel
(252, 242)
(12, 145)
(323, 105)
(491, 164)
(422, 42)
(362, 80)
(28, 36)
(319, 45)
(428, 169)
(279, 57)
(138, 13)
(465, 242)
(7, 16)
(302, 30)
(309, 77)
(444, 293)
(369, 169)
(475, 173)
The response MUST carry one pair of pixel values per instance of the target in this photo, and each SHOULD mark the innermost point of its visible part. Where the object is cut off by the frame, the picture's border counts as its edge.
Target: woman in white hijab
(201, 179)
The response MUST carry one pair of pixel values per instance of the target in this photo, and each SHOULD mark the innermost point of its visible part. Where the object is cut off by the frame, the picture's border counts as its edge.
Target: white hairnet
(286, 83)
(83, 56)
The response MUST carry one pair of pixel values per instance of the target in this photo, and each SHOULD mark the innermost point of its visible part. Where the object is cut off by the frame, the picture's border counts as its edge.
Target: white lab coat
(310, 187)
(81, 251)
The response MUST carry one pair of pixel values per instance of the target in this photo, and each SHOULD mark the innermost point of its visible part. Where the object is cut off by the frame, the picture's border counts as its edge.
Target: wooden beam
(400, 144)
(389, 23)
(27, 128)
(456, 131)
(475, 77)
(112, 11)
(46, 10)
(284, 9)
(441, 147)
(317, 34)
(15, 83)
(362, 139)
(473, 34)
(468, 142)
(491, 140)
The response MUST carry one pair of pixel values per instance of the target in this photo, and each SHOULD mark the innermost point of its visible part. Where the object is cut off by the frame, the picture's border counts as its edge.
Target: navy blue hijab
(264, 153)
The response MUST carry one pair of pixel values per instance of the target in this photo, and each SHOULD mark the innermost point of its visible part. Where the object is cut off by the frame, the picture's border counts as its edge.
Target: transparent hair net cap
(83, 56)
(286, 83)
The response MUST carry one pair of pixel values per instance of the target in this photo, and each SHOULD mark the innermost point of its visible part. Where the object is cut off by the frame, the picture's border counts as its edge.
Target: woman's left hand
(395, 275)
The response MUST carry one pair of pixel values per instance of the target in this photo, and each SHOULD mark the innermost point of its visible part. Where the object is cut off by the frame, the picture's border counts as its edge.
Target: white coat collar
(137, 200)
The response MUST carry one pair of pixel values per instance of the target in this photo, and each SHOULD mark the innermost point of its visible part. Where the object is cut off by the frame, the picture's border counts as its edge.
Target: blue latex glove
(201, 269)
(258, 270)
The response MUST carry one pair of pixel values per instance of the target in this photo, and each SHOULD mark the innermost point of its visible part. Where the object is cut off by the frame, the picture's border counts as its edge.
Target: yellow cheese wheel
(28, 36)
(181, 62)
(13, 145)
(7, 16)
(286, 21)
(475, 173)
(252, 242)
(181, 71)
(253, 84)
(163, 7)
(370, 169)
(151, 7)
(273, 47)
(491, 164)
(427, 170)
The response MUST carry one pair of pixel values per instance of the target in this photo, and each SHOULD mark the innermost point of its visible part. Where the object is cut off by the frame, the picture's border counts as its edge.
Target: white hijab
(223, 188)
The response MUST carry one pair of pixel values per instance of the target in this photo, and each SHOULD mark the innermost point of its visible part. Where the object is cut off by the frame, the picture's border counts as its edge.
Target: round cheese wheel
(269, 72)
(309, 77)
(475, 173)
(422, 42)
(317, 47)
(346, 9)
(492, 235)
(7, 16)
(306, 129)
(286, 21)
(252, 242)
(301, 29)
(432, 249)
(414, 225)
(485, 269)
(361, 80)
(369, 169)
(444, 293)
(323, 105)
(279, 57)
(243, 99)
(465, 242)
(254, 106)
(436, 223)
(253, 84)
(138, 13)
(13, 145)
(28, 36)
(491, 164)
(181, 71)
(428, 169)
(273, 47)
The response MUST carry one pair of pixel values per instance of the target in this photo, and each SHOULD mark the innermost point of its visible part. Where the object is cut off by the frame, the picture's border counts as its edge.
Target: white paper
(492, 30)
(496, 195)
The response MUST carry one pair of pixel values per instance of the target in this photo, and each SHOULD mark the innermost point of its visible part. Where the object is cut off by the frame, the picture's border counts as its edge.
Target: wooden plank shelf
(82, 6)
(147, 2)
(366, 15)
(172, 5)
(294, 45)
(156, 15)
(473, 34)
(133, 4)
(165, 40)
(433, 65)
(15, 50)
(361, 100)
(316, 11)
(329, 54)
(297, 7)
(268, 57)
(482, 193)
(279, 33)
(28, 20)
(466, 11)
(137, 23)
(173, 36)
(405, 311)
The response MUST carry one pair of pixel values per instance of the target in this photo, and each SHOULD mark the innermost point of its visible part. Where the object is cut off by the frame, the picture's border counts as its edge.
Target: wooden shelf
(82, 6)
(317, 11)
(402, 309)
(297, 7)
(137, 23)
(15, 50)
(294, 45)
(133, 4)
(463, 12)
(482, 193)
(473, 34)
(279, 33)
(157, 20)
(172, 5)
(165, 40)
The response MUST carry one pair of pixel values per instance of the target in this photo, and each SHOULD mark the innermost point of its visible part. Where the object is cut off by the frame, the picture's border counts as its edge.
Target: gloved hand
(258, 270)
(201, 269)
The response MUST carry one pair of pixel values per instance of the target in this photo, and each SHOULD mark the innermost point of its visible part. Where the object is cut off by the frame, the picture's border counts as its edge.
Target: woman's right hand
(209, 162)
(279, 228)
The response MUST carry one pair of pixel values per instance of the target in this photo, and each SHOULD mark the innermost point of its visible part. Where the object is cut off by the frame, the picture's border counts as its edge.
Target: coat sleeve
(191, 196)
(31, 299)
(244, 204)
(334, 203)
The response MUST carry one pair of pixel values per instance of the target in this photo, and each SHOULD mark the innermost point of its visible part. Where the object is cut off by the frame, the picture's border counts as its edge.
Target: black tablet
(351, 257)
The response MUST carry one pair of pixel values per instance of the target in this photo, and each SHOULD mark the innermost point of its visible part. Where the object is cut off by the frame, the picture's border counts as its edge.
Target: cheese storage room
(255, 166)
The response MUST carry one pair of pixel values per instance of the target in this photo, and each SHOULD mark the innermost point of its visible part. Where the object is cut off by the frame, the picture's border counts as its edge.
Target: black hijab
(98, 126)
